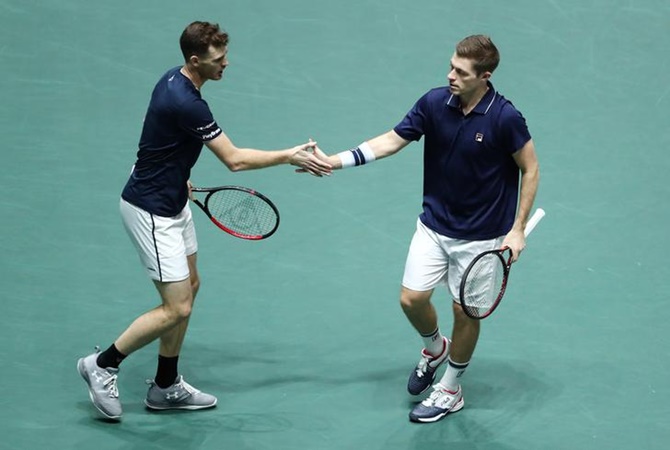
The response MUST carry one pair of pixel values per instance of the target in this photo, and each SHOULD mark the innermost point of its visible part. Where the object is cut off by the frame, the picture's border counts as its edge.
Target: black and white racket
(239, 211)
(485, 280)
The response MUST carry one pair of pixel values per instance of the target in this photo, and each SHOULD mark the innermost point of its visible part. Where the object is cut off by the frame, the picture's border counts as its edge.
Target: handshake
(311, 159)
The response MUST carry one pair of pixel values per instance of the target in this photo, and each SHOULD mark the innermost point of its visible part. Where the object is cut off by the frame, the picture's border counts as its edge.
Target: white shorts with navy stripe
(434, 259)
(162, 243)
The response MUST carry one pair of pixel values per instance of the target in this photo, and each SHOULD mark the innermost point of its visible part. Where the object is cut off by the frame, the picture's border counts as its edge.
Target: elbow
(533, 171)
(232, 165)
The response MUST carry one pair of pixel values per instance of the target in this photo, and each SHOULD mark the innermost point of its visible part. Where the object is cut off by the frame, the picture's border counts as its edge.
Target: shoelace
(187, 387)
(436, 395)
(432, 399)
(421, 367)
(110, 385)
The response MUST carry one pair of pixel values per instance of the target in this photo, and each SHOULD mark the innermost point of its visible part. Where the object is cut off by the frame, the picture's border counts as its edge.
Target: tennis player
(480, 178)
(155, 211)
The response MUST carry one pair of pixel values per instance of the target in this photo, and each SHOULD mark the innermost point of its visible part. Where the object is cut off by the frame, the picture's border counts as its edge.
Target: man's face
(462, 77)
(212, 65)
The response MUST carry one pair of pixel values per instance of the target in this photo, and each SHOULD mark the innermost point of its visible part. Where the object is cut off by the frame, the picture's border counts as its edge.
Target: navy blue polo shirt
(471, 181)
(177, 123)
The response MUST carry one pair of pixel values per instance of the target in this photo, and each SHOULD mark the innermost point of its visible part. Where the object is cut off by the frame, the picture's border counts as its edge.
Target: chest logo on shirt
(479, 137)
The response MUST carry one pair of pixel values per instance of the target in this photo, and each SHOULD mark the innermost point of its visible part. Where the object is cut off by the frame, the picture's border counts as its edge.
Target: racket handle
(533, 221)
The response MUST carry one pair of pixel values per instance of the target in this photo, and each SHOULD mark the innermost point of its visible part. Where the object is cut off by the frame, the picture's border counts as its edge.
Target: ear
(486, 75)
(194, 61)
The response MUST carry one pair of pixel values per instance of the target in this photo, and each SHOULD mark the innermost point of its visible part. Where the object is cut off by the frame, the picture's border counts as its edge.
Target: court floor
(301, 336)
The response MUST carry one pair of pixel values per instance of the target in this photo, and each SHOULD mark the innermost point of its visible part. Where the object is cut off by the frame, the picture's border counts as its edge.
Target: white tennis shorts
(162, 243)
(435, 259)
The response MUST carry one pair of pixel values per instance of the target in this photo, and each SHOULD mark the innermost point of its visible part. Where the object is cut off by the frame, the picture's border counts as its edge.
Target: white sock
(433, 342)
(451, 377)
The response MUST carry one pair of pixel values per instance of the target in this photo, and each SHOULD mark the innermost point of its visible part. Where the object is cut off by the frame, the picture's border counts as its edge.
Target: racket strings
(483, 285)
(242, 212)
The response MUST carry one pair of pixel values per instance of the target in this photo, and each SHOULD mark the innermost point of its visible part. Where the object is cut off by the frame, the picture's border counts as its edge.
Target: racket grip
(533, 221)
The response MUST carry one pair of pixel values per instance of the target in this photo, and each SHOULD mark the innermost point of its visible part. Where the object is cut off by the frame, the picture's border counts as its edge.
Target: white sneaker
(101, 386)
(180, 395)
(440, 403)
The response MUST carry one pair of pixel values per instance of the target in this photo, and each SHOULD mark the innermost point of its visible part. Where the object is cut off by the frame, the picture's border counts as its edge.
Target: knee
(410, 300)
(461, 318)
(195, 285)
(180, 311)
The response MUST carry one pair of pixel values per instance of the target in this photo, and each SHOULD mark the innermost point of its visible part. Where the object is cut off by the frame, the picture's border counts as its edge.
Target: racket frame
(212, 190)
(506, 264)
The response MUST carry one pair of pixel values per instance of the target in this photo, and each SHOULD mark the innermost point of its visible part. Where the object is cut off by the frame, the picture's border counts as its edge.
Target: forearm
(250, 159)
(530, 180)
(379, 147)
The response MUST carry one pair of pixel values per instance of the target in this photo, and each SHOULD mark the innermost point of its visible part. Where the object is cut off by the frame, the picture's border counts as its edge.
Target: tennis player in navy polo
(156, 214)
(480, 178)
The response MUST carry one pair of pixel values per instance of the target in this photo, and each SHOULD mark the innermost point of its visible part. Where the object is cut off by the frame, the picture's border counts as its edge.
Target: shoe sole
(457, 407)
(185, 407)
(82, 372)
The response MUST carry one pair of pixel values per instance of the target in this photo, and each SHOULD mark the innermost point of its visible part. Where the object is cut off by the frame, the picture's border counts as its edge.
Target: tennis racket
(485, 280)
(239, 211)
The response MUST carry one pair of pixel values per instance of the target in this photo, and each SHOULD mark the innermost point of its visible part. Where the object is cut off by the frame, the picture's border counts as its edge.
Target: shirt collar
(484, 104)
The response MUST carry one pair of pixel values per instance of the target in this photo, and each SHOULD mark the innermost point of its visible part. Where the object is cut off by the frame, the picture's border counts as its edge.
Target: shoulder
(434, 99)
(177, 87)
(504, 112)
(505, 106)
(439, 94)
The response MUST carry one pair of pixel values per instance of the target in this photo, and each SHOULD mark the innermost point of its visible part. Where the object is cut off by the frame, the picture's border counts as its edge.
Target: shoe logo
(97, 376)
(172, 395)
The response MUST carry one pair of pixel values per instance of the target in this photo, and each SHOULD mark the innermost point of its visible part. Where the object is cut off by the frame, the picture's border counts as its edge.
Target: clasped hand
(305, 157)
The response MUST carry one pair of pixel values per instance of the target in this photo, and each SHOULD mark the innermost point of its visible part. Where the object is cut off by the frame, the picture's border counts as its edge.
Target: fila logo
(479, 137)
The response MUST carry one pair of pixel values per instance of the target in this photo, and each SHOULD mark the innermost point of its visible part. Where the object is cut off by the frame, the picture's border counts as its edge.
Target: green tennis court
(301, 336)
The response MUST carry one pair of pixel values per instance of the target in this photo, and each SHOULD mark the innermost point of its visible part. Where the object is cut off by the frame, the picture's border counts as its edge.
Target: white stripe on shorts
(162, 243)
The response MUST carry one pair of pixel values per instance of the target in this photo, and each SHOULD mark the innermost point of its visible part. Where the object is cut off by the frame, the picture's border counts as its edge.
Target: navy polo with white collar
(471, 181)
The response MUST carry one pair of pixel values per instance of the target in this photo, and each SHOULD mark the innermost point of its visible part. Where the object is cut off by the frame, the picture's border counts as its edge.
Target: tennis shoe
(440, 403)
(101, 384)
(180, 395)
(423, 375)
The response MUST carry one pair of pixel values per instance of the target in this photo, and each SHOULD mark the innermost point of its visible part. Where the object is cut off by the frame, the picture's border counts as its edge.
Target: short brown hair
(198, 36)
(481, 50)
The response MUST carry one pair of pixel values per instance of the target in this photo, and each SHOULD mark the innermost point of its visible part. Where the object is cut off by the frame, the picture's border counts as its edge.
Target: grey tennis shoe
(424, 373)
(101, 384)
(180, 395)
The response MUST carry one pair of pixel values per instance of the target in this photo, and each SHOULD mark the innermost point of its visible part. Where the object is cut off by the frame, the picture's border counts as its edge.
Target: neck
(470, 101)
(193, 76)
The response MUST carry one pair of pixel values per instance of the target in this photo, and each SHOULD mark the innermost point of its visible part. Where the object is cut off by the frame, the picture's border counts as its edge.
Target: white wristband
(358, 156)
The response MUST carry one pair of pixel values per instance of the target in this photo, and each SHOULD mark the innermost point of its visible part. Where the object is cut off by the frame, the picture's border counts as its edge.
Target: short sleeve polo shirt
(471, 181)
(177, 123)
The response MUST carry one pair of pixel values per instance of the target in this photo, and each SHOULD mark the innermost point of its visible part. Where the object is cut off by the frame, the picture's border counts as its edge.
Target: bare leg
(419, 310)
(171, 341)
(464, 335)
(177, 300)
